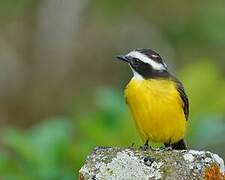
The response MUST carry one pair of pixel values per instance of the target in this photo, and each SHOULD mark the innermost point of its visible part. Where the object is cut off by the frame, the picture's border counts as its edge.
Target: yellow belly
(157, 110)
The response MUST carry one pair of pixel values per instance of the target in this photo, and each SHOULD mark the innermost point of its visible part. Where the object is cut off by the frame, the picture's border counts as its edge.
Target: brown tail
(180, 145)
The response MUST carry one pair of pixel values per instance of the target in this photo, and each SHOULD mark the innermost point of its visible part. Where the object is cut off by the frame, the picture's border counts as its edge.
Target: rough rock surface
(130, 163)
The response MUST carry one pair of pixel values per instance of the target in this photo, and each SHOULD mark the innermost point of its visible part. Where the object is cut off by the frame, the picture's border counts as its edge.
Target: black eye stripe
(135, 59)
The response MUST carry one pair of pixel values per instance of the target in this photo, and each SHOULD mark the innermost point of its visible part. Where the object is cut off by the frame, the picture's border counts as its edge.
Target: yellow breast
(156, 107)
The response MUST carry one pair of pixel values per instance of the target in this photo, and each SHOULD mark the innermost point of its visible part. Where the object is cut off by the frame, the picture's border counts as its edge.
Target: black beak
(123, 58)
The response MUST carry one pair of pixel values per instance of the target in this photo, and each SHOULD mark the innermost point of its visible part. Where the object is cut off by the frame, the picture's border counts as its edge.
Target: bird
(156, 99)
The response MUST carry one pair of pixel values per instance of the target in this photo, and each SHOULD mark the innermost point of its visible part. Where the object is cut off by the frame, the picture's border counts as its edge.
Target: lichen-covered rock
(120, 163)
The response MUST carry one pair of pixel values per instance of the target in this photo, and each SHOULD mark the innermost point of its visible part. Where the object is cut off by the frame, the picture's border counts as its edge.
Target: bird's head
(145, 63)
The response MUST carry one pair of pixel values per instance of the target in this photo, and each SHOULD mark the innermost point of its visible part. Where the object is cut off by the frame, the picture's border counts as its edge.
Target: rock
(130, 163)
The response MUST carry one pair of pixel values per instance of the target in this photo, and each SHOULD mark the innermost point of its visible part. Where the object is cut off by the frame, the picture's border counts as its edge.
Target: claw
(146, 147)
(168, 148)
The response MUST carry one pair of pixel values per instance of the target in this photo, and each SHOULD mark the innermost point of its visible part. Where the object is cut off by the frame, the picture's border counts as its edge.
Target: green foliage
(40, 153)
(56, 148)
(205, 85)
(207, 131)
(13, 7)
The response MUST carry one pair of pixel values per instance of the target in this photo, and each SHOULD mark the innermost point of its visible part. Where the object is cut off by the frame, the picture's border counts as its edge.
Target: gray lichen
(119, 163)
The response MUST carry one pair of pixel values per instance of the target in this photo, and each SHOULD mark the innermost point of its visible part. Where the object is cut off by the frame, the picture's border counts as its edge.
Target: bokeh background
(61, 89)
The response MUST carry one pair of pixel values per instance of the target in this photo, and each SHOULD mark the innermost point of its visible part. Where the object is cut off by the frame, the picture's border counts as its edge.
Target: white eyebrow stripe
(145, 59)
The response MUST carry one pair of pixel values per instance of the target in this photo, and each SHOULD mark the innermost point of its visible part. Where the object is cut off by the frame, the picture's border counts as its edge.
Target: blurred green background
(61, 91)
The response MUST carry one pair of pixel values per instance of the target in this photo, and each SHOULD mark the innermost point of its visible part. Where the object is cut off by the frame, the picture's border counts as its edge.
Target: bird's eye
(135, 61)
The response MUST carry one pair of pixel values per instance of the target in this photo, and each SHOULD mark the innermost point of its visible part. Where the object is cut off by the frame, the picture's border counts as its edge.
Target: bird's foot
(166, 148)
(169, 148)
(146, 148)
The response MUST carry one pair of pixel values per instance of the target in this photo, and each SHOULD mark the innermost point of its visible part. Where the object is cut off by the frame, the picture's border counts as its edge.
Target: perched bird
(157, 100)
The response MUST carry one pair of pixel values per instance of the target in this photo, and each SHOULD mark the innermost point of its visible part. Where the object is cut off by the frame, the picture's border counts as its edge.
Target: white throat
(136, 76)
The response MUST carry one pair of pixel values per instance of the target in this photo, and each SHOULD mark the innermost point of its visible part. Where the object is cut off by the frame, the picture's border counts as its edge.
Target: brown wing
(183, 96)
